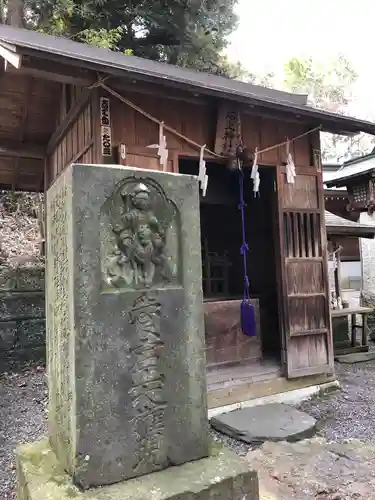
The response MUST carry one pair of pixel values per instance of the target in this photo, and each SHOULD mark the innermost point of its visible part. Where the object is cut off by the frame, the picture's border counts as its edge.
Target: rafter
(14, 149)
(50, 70)
(10, 56)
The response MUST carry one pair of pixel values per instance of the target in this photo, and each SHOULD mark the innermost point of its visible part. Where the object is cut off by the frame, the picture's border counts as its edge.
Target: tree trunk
(15, 15)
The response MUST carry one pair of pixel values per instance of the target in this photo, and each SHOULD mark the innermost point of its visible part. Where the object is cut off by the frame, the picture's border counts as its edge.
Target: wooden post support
(365, 331)
(337, 272)
(354, 330)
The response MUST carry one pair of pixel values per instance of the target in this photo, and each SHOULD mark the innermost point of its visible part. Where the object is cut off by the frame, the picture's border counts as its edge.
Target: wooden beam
(10, 56)
(21, 150)
(137, 87)
(48, 70)
(23, 127)
(68, 121)
(337, 271)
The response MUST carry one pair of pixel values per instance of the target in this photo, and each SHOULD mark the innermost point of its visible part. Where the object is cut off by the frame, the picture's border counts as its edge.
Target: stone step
(269, 422)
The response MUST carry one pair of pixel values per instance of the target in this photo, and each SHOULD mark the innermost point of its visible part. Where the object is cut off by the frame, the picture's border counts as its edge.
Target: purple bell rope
(248, 320)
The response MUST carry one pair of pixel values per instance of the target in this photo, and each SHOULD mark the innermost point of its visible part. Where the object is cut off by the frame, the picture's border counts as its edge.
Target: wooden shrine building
(336, 201)
(64, 102)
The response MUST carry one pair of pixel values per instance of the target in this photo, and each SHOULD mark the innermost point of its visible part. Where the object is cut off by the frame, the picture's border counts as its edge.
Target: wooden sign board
(105, 127)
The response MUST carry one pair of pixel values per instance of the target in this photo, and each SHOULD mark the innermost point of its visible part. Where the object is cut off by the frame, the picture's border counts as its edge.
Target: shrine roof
(351, 170)
(81, 55)
(336, 225)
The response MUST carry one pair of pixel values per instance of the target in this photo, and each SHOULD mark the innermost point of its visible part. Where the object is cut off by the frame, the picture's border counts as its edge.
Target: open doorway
(229, 353)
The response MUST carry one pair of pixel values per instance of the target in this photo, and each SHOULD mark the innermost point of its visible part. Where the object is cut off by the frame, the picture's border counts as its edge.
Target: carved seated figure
(140, 241)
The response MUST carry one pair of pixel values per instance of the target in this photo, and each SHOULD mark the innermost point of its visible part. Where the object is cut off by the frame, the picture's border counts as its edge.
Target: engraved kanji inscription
(147, 391)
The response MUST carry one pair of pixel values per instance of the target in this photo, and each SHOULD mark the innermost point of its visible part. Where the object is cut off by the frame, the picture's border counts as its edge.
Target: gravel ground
(23, 400)
(349, 413)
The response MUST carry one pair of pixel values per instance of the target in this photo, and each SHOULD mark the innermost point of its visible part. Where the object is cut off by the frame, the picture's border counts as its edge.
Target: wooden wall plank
(302, 194)
(134, 130)
(251, 131)
(301, 148)
(270, 136)
(297, 272)
(76, 139)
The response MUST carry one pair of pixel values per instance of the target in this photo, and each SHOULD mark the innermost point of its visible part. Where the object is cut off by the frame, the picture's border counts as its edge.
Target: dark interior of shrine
(221, 237)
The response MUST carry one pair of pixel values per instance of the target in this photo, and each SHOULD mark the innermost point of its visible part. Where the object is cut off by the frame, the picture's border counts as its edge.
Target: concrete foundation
(222, 476)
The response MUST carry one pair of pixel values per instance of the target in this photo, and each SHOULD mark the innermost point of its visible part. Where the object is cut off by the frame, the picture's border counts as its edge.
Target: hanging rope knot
(244, 248)
(246, 292)
(100, 81)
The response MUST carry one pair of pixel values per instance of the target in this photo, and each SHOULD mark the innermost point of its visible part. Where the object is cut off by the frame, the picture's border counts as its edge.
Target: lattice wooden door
(304, 274)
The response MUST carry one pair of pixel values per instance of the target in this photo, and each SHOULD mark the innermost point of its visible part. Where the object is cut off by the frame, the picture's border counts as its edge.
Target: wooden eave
(31, 83)
(80, 57)
(352, 179)
(355, 232)
(335, 194)
(27, 118)
(85, 74)
(339, 226)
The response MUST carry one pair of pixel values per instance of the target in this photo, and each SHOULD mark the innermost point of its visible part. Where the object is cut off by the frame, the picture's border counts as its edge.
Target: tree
(15, 13)
(328, 87)
(190, 33)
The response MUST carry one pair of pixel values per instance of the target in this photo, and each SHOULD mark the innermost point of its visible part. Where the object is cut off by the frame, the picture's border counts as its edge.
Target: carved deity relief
(143, 250)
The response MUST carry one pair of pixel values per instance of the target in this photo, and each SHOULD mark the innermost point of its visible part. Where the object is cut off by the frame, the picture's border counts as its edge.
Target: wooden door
(304, 290)
(145, 158)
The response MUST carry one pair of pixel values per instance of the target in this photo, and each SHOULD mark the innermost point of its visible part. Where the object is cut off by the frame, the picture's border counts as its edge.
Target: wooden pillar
(337, 272)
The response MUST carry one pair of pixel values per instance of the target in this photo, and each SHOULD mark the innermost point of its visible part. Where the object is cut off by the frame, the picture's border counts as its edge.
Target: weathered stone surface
(23, 334)
(125, 340)
(222, 476)
(358, 357)
(270, 422)
(316, 469)
(340, 332)
(19, 334)
(22, 278)
(367, 249)
(8, 335)
(16, 359)
(22, 305)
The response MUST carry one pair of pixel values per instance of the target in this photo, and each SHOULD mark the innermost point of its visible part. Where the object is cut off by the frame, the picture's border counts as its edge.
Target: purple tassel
(248, 321)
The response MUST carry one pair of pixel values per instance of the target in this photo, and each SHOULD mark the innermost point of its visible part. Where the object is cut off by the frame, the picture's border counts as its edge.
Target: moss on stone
(43, 478)
(224, 474)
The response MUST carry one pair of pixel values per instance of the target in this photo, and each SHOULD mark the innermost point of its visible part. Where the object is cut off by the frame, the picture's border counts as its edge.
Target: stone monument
(125, 345)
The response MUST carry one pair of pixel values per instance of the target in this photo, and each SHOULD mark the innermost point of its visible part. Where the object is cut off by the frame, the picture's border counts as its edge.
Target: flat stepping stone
(358, 357)
(270, 422)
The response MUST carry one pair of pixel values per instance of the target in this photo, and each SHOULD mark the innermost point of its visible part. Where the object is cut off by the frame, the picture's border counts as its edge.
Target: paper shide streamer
(162, 149)
(202, 175)
(290, 166)
(255, 174)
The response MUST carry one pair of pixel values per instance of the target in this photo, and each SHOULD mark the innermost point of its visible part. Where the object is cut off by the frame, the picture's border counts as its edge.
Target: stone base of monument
(223, 476)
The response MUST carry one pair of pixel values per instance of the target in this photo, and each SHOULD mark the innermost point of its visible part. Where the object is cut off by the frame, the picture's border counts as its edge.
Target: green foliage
(190, 33)
(104, 38)
(329, 86)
